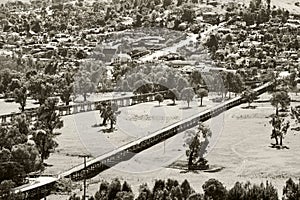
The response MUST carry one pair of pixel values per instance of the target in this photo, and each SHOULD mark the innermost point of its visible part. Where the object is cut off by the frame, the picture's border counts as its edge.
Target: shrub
(195, 196)
(186, 189)
(291, 190)
(159, 98)
(254, 192)
(214, 189)
(144, 192)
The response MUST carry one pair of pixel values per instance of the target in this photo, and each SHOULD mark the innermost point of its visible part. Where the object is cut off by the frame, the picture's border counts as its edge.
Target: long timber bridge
(93, 167)
(84, 107)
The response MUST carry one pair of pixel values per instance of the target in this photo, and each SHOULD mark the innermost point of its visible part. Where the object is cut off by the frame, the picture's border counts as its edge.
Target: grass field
(242, 149)
(82, 134)
(240, 144)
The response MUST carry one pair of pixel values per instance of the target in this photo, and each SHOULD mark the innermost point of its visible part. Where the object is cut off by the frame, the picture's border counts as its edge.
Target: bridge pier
(68, 111)
(75, 109)
(82, 108)
(89, 107)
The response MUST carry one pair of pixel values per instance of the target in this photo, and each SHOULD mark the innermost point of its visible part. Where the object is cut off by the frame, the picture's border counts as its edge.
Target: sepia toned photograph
(149, 100)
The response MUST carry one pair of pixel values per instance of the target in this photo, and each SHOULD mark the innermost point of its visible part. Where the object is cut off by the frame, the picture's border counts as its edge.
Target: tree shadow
(108, 130)
(295, 129)
(47, 165)
(171, 104)
(96, 125)
(249, 107)
(278, 147)
(279, 115)
(183, 167)
(57, 133)
(185, 108)
(202, 106)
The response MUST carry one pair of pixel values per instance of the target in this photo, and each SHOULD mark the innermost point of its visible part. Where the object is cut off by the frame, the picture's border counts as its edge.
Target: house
(213, 3)
(121, 58)
(210, 17)
(181, 63)
(109, 53)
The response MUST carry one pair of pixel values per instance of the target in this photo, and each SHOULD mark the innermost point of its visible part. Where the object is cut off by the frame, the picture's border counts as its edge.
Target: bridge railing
(84, 107)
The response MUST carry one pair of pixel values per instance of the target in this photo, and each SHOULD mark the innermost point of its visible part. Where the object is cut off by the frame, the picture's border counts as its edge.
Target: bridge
(93, 167)
(84, 107)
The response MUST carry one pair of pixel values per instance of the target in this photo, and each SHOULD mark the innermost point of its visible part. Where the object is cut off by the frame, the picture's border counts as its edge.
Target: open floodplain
(243, 153)
(141, 99)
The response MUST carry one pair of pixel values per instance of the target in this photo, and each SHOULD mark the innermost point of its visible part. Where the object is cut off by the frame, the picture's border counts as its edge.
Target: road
(191, 37)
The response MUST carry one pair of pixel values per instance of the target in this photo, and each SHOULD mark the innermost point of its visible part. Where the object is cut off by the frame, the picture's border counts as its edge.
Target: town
(149, 99)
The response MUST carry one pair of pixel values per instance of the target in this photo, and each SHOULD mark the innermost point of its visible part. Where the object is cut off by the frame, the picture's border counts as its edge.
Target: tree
(280, 98)
(14, 84)
(166, 3)
(173, 94)
(175, 192)
(186, 189)
(13, 171)
(158, 188)
(197, 143)
(269, 4)
(280, 128)
(41, 87)
(179, 2)
(125, 86)
(126, 187)
(249, 95)
(196, 78)
(83, 84)
(6, 76)
(293, 82)
(102, 192)
(212, 43)
(188, 14)
(27, 155)
(291, 190)
(295, 113)
(113, 189)
(144, 192)
(162, 83)
(47, 117)
(6, 192)
(35, 26)
(187, 94)
(15, 134)
(201, 93)
(159, 97)
(108, 112)
(242, 191)
(124, 196)
(238, 84)
(45, 143)
(214, 189)
(48, 120)
(66, 87)
(21, 97)
(181, 84)
(228, 79)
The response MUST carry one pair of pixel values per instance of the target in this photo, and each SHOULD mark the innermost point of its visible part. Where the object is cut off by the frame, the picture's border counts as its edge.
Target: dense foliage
(213, 190)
